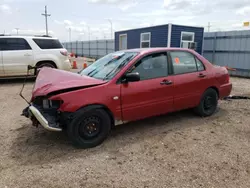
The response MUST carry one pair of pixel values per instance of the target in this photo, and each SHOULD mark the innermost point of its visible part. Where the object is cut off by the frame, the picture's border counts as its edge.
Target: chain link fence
(92, 49)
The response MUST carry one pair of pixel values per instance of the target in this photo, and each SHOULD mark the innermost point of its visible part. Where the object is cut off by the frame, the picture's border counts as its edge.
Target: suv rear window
(48, 43)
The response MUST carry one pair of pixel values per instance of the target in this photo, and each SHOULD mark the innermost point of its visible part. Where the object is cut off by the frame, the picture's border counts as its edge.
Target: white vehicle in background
(17, 52)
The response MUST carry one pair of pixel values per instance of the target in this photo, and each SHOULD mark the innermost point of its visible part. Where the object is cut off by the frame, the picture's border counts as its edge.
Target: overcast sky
(94, 15)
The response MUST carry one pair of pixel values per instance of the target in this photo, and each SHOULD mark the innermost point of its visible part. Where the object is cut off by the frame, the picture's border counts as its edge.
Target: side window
(3, 44)
(200, 65)
(183, 62)
(10, 44)
(152, 66)
(48, 43)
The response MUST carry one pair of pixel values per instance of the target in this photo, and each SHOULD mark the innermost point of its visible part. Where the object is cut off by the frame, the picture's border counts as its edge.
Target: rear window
(48, 43)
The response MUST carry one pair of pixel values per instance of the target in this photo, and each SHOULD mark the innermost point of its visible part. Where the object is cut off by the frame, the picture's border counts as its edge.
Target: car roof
(27, 36)
(150, 50)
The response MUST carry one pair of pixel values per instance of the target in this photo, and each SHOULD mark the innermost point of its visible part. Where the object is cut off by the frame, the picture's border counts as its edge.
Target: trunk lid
(51, 80)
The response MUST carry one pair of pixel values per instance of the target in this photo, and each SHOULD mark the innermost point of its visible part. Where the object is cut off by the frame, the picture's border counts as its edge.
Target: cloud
(83, 23)
(122, 4)
(109, 1)
(64, 22)
(67, 22)
(202, 6)
(145, 24)
(125, 7)
(75, 29)
(58, 22)
(4, 8)
(243, 10)
(31, 32)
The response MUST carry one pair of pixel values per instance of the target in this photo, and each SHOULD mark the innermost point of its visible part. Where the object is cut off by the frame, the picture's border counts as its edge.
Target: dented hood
(51, 80)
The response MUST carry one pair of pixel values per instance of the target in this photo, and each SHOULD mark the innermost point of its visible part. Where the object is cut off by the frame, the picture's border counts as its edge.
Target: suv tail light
(64, 52)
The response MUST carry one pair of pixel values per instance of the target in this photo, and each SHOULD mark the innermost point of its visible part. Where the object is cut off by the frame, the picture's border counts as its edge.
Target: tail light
(64, 52)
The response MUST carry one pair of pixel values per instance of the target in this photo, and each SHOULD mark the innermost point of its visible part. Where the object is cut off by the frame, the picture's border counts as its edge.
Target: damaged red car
(125, 86)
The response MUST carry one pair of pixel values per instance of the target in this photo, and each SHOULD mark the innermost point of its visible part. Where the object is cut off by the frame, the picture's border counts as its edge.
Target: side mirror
(131, 77)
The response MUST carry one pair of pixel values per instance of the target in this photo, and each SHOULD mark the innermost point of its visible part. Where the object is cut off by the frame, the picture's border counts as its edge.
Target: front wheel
(89, 128)
(208, 103)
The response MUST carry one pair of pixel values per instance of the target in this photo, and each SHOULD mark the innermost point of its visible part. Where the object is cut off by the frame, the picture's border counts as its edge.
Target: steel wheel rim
(209, 103)
(90, 128)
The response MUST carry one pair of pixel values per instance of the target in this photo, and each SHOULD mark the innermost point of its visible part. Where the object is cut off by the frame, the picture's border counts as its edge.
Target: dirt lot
(176, 150)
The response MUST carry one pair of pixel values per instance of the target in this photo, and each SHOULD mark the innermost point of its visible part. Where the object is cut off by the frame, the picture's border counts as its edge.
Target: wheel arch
(216, 89)
(46, 61)
(100, 106)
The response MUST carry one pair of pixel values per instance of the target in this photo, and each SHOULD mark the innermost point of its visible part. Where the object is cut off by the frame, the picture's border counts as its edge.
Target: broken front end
(46, 113)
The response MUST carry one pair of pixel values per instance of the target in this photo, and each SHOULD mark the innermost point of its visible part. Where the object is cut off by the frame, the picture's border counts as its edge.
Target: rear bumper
(225, 90)
(32, 112)
(66, 65)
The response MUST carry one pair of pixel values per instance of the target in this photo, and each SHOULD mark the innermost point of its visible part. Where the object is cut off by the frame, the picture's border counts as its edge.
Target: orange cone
(85, 65)
(74, 65)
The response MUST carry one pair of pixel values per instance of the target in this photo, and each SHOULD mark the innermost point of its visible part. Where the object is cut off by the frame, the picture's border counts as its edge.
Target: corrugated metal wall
(176, 36)
(159, 36)
(230, 48)
(95, 48)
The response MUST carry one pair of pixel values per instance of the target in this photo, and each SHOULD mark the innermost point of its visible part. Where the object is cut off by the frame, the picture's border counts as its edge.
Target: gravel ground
(176, 150)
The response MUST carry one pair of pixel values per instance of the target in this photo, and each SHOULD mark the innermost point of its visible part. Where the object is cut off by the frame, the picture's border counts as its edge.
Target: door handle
(27, 54)
(166, 82)
(201, 75)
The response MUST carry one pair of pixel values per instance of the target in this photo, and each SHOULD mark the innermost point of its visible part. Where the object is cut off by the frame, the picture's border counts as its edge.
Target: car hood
(51, 80)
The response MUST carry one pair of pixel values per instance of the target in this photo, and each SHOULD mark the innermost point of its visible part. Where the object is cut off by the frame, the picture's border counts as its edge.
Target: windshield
(108, 66)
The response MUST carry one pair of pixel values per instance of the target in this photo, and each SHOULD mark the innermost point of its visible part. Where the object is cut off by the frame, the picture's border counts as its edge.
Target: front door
(153, 94)
(16, 56)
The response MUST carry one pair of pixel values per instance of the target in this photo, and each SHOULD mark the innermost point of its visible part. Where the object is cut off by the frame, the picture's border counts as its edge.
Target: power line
(46, 15)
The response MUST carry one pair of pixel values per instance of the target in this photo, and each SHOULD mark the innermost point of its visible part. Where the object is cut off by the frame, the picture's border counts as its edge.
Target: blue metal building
(168, 35)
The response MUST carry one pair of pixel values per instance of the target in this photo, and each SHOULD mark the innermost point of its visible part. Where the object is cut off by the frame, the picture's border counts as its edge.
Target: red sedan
(125, 86)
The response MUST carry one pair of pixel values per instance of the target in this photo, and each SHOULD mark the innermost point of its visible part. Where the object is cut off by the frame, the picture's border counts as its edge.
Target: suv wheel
(44, 65)
(208, 103)
(89, 128)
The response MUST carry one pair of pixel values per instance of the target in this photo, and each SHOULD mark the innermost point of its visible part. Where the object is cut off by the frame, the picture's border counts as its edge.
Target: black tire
(44, 65)
(208, 104)
(89, 128)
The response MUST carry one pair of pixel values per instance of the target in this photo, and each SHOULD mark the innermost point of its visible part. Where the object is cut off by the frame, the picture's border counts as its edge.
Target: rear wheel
(89, 128)
(208, 103)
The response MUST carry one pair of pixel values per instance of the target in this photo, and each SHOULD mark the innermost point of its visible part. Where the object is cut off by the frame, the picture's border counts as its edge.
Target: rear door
(153, 94)
(16, 56)
(190, 79)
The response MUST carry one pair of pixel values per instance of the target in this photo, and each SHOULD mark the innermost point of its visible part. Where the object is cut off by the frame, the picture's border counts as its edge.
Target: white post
(169, 34)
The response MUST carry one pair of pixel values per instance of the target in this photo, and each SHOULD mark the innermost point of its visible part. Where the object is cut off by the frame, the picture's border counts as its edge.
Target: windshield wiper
(110, 61)
(118, 67)
(91, 72)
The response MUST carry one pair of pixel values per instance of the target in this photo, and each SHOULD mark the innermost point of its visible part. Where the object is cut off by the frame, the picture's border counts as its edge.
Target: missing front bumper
(33, 112)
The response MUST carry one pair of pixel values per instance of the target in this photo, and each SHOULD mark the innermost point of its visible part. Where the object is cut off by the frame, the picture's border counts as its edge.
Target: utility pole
(208, 27)
(17, 29)
(111, 24)
(46, 15)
